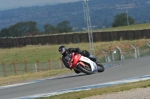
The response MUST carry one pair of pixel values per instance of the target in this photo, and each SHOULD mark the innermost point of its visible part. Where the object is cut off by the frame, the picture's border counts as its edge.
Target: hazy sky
(8, 4)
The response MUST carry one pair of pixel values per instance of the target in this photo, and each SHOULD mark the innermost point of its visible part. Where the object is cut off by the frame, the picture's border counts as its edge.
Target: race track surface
(114, 71)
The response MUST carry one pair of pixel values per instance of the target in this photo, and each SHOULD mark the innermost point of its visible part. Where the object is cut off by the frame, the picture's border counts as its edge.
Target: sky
(9, 4)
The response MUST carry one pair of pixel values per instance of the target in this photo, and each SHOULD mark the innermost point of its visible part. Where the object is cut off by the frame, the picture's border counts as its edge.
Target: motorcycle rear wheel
(102, 68)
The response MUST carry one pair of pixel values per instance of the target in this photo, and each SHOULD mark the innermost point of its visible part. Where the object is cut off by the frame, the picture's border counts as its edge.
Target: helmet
(62, 50)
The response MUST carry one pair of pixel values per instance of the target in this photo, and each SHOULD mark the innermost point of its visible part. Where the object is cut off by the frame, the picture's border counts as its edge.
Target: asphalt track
(114, 71)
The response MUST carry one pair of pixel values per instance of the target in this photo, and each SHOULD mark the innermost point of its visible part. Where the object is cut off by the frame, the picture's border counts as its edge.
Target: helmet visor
(62, 51)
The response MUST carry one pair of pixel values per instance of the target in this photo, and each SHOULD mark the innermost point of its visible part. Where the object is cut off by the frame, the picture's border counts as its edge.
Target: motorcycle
(83, 64)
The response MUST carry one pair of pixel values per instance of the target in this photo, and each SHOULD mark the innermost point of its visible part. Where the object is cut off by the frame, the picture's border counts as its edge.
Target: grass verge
(32, 76)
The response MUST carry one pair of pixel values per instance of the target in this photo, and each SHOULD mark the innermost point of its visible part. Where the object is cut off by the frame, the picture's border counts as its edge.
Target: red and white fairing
(79, 59)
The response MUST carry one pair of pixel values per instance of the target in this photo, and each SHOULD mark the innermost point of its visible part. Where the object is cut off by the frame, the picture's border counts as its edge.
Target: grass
(31, 76)
(119, 28)
(124, 28)
(42, 53)
(29, 53)
(100, 91)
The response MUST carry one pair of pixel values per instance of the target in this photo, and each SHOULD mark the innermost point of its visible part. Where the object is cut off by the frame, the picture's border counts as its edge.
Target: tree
(22, 28)
(121, 20)
(4, 32)
(64, 27)
(49, 29)
(31, 27)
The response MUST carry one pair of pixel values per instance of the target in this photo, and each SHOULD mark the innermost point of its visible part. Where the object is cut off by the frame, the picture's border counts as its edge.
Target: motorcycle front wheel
(85, 69)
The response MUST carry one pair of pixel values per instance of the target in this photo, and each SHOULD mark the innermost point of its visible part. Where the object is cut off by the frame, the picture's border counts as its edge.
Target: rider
(64, 51)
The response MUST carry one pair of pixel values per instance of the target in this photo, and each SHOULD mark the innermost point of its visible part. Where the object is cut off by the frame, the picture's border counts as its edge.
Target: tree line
(30, 27)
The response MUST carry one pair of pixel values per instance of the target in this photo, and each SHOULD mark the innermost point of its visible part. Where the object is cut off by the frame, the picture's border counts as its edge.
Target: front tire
(84, 70)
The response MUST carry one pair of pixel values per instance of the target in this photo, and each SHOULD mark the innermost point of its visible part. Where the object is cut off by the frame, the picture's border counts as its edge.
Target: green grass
(29, 53)
(32, 76)
(120, 28)
(42, 53)
(124, 28)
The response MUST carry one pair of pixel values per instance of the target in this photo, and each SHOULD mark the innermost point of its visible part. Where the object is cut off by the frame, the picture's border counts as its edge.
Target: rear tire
(84, 70)
(101, 67)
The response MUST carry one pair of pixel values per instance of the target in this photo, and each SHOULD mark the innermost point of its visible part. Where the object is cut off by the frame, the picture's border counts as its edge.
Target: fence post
(26, 66)
(62, 65)
(50, 65)
(135, 51)
(112, 55)
(105, 55)
(121, 54)
(38, 65)
(4, 66)
(15, 68)
(148, 44)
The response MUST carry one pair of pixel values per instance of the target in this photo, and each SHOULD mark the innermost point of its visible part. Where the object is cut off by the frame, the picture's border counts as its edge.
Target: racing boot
(76, 71)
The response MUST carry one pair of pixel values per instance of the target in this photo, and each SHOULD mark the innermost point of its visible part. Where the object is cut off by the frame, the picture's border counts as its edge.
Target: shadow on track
(71, 76)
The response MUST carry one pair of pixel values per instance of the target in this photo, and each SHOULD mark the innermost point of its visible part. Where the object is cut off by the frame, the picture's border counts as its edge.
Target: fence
(74, 38)
(112, 55)
(118, 54)
(16, 69)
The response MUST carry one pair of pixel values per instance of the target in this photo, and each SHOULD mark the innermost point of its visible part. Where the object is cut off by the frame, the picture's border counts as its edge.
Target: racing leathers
(69, 51)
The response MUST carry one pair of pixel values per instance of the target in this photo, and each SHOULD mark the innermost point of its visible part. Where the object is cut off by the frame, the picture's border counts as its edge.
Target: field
(124, 28)
(42, 53)
(131, 27)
